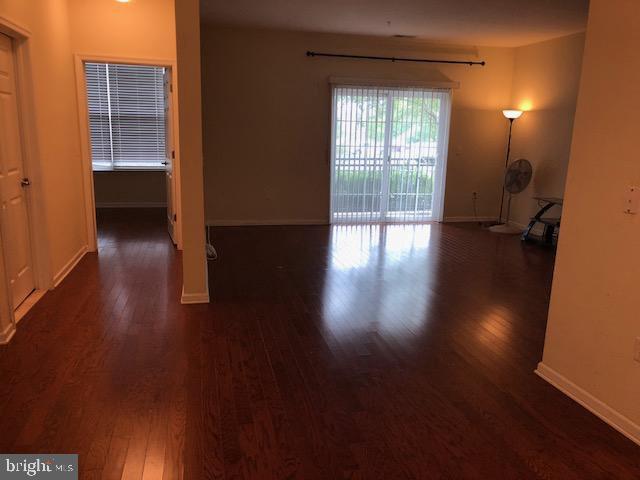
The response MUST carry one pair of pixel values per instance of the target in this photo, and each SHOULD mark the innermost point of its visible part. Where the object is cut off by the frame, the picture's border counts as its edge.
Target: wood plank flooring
(399, 352)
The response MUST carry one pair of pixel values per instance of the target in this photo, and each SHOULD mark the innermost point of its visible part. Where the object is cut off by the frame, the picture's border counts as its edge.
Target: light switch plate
(632, 200)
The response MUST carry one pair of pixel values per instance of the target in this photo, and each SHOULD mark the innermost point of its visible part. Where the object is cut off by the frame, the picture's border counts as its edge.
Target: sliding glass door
(389, 147)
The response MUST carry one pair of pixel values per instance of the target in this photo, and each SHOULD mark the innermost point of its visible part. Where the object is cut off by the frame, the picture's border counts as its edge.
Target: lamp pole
(506, 164)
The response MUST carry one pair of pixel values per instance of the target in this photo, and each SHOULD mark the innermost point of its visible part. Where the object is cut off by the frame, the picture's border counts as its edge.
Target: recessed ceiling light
(123, 1)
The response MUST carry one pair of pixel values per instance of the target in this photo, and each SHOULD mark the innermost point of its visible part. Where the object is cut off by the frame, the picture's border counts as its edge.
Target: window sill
(115, 170)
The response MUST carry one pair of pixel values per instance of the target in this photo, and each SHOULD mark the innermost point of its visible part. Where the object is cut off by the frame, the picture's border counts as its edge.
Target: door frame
(85, 139)
(37, 220)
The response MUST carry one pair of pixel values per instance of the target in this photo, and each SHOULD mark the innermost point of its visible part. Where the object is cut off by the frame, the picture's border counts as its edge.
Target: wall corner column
(194, 262)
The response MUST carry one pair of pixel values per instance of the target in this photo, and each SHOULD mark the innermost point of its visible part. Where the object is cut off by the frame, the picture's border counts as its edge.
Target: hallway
(98, 366)
(327, 352)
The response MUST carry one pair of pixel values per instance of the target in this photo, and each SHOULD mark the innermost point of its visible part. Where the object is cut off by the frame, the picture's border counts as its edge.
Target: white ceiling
(506, 23)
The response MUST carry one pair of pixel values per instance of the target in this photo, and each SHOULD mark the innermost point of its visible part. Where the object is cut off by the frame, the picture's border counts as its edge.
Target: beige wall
(594, 316)
(126, 188)
(545, 82)
(267, 120)
(139, 29)
(56, 122)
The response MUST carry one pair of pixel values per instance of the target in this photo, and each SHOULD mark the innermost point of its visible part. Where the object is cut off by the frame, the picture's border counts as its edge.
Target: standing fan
(516, 179)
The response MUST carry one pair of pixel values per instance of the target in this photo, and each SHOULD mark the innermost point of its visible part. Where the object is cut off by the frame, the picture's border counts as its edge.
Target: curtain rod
(394, 59)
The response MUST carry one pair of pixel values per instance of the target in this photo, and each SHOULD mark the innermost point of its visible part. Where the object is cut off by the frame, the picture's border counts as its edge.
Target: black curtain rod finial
(394, 59)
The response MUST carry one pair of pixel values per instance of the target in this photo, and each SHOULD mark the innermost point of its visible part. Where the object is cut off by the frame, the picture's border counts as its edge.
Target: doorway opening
(389, 149)
(129, 117)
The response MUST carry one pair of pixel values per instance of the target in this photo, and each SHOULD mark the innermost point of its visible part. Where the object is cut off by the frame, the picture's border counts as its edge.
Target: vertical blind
(389, 148)
(126, 116)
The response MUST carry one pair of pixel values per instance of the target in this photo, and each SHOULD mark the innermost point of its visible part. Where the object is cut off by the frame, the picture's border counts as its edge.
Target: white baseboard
(7, 334)
(131, 205)
(468, 219)
(192, 298)
(64, 271)
(286, 221)
(27, 304)
(600, 409)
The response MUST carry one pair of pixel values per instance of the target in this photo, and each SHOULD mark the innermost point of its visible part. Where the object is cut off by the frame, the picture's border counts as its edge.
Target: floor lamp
(510, 115)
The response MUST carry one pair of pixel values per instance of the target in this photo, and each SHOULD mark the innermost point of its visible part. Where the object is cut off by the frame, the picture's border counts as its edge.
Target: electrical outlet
(636, 350)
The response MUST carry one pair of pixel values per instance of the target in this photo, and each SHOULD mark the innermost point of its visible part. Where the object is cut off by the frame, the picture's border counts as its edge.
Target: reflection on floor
(354, 304)
(347, 352)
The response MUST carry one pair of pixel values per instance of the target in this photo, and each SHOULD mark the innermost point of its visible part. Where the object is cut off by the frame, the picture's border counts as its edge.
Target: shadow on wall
(544, 138)
(546, 80)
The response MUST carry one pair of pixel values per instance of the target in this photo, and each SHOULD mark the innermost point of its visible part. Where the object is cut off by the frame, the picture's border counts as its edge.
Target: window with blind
(126, 116)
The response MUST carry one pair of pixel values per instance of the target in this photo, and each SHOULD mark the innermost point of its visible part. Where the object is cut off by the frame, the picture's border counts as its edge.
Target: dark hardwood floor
(349, 352)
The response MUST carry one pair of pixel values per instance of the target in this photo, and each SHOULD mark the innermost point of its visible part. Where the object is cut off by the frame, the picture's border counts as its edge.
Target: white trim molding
(12, 29)
(444, 83)
(600, 409)
(70, 265)
(28, 303)
(7, 334)
(194, 298)
(254, 222)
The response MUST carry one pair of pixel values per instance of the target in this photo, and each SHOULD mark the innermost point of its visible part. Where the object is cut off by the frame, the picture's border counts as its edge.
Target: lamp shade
(512, 114)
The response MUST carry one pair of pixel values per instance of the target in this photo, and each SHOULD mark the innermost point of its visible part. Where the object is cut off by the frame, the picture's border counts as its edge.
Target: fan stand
(505, 228)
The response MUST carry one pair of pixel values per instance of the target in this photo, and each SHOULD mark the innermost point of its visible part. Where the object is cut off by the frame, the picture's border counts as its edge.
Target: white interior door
(388, 154)
(15, 217)
(169, 155)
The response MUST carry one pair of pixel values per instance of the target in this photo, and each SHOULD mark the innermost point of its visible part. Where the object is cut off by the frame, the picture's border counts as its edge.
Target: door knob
(25, 182)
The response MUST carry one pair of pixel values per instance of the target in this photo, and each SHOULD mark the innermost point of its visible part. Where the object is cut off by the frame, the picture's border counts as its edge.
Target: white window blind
(126, 116)
(389, 150)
